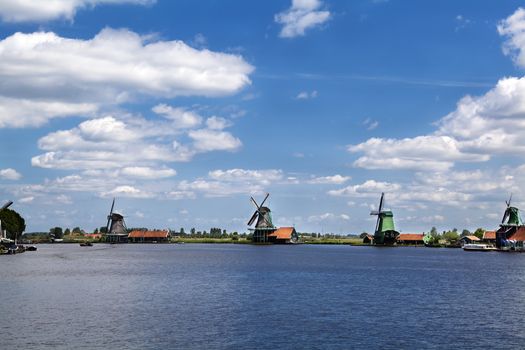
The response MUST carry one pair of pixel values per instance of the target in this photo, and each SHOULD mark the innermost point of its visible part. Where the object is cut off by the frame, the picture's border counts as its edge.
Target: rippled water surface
(195, 296)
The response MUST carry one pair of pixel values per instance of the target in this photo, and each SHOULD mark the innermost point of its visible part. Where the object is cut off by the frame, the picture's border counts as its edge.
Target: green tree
(12, 223)
(67, 232)
(56, 232)
(96, 231)
(181, 232)
(479, 233)
(103, 229)
(451, 237)
(465, 232)
(77, 230)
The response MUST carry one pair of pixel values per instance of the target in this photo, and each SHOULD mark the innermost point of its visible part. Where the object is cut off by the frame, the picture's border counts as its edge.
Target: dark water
(261, 297)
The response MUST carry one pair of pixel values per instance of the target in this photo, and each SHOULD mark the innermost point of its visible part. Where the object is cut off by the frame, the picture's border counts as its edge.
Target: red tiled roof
(489, 235)
(93, 235)
(519, 235)
(149, 234)
(283, 233)
(410, 237)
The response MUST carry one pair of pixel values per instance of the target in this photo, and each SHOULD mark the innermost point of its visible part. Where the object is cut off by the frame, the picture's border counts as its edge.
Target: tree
(67, 232)
(181, 232)
(76, 230)
(56, 232)
(479, 233)
(465, 232)
(103, 229)
(12, 223)
(96, 231)
(451, 237)
(433, 231)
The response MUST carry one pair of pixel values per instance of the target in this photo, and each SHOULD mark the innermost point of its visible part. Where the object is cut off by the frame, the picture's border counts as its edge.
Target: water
(196, 296)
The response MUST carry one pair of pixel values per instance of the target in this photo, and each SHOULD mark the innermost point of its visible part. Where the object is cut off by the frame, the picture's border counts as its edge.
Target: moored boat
(86, 244)
(478, 247)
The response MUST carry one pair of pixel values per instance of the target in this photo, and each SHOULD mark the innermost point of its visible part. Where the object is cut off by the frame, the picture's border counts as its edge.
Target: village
(509, 237)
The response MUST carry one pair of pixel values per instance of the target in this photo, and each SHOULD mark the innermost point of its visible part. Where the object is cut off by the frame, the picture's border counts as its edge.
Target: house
(283, 235)
(156, 236)
(411, 239)
(93, 235)
(368, 239)
(489, 237)
(515, 239)
(469, 239)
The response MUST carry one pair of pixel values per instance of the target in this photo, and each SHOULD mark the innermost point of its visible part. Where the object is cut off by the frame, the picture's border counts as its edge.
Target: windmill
(116, 231)
(385, 232)
(264, 224)
(511, 216)
(511, 223)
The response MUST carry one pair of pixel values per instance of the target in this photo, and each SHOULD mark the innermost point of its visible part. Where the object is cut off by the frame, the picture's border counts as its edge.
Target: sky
(182, 110)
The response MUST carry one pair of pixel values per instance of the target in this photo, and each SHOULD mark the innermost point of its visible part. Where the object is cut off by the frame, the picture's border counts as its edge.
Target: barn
(156, 236)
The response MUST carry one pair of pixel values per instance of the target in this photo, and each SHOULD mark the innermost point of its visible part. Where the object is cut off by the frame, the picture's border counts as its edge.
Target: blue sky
(182, 110)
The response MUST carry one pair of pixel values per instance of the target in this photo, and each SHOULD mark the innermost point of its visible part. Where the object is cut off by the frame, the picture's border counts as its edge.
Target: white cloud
(513, 28)
(370, 124)
(328, 217)
(217, 123)
(369, 188)
(9, 174)
(142, 147)
(261, 176)
(422, 152)
(18, 113)
(181, 117)
(62, 77)
(127, 191)
(207, 140)
(302, 15)
(147, 172)
(26, 199)
(45, 10)
(304, 95)
(335, 179)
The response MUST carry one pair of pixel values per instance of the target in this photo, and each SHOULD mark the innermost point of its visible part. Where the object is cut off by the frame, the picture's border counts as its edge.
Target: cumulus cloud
(66, 77)
(328, 217)
(302, 15)
(127, 191)
(479, 128)
(38, 10)
(9, 174)
(222, 183)
(207, 140)
(369, 188)
(147, 172)
(335, 179)
(514, 30)
(181, 117)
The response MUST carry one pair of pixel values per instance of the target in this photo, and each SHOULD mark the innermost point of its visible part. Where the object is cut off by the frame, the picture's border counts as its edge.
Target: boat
(478, 247)
(86, 244)
(31, 248)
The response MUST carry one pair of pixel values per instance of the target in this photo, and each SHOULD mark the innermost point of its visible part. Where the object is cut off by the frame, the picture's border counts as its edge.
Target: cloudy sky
(182, 110)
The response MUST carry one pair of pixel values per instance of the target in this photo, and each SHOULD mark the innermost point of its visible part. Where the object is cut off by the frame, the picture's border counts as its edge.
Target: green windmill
(385, 233)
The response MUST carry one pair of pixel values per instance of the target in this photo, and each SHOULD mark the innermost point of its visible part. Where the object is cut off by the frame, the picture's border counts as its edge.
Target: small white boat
(479, 247)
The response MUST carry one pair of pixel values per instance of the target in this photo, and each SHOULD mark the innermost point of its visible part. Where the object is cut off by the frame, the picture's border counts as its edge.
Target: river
(215, 296)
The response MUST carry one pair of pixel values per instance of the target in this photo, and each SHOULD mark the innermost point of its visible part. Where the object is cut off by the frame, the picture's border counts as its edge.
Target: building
(412, 239)
(93, 235)
(157, 236)
(368, 239)
(283, 235)
(489, 237)
(469, 239)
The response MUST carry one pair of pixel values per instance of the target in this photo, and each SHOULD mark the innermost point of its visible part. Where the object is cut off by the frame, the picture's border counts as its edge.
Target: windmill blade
(265, 198)
(252, 219)
(508, 203)
(110, 214)
(255, 203)
(381, 202)
(504, 216)
(7, 205)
